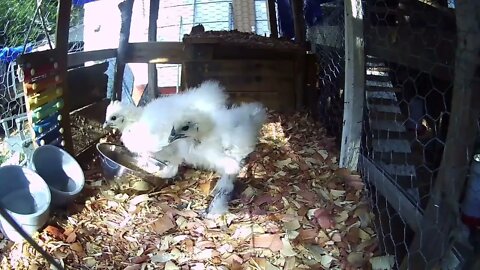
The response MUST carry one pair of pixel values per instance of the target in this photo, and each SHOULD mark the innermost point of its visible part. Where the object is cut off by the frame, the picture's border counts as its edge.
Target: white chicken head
(117, 114)
(195, 126)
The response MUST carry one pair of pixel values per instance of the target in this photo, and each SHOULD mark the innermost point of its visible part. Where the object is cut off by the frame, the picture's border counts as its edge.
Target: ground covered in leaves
(294, 210)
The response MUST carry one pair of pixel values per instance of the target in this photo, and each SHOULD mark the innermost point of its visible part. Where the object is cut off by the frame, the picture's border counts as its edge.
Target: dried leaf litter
(294, 210)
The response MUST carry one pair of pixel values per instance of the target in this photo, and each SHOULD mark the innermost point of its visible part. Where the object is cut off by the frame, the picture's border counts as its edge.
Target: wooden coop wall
(270, 80)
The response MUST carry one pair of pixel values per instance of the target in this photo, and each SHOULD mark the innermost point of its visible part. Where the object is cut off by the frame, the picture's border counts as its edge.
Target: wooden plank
(381, 95)
(354, 85)
(272, 100)
(272, 18)
(384, 108)
(251, 67)
(387, 125)
(125, 7)
(396, 44)
(237, 51)
(78, 58)
(152, 89)
(377, 77)
(241, 83)
(393, 145)
(391, 191)
(442, 212)
(155, 52)
(94, 111)
(298, 22)
(61, 41)
(87, 85)
(300, 82)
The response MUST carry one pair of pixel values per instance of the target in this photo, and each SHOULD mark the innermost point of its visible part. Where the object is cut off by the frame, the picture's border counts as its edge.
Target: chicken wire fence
(327, 40)
(410, 70)
(25, 26)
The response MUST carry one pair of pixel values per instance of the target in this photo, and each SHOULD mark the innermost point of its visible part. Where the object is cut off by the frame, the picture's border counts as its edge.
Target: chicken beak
(175, 136)
(105, 124)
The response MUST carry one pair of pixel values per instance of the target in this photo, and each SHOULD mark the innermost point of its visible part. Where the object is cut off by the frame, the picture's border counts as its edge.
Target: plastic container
(471, 201)
(61, 172)
(26, 197)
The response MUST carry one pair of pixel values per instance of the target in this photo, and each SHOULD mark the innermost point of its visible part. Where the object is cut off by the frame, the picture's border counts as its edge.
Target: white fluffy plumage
(145, 130)
(194, 127)
(219, 142)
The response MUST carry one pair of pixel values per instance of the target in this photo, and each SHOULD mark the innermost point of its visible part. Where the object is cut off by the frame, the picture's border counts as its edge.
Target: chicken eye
(113, 118)
(185, 128)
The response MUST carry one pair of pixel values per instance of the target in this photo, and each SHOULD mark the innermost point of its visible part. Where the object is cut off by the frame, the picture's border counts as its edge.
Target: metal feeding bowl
(117, 161)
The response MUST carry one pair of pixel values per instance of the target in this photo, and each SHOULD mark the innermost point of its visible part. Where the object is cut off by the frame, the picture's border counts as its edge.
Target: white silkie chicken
(219, 142)
(145, 130)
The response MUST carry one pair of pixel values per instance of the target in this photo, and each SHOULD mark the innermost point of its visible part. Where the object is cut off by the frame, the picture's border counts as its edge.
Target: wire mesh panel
(325, 31)
(409, 65)
(25, 27)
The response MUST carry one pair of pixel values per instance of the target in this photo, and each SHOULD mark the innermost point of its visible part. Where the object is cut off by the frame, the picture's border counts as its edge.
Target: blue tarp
(313, 15)
(8, 54)
(81, 2)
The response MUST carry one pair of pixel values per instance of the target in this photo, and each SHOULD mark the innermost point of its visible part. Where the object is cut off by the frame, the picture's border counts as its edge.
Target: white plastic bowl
(26, 197)
(61, 172)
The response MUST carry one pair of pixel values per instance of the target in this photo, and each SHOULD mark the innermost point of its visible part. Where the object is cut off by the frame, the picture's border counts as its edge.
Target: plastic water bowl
(117, 161)
(61, 172)
(26, 197)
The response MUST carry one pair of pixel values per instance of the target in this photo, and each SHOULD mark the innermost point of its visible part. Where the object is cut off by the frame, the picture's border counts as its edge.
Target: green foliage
(16, 16)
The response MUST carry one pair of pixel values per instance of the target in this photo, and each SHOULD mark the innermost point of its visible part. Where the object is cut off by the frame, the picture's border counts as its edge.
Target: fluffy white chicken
(220, 141)
(145, 130)
(208, 96)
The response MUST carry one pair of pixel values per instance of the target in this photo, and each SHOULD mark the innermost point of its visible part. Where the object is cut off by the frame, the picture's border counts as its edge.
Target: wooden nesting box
(251, 69)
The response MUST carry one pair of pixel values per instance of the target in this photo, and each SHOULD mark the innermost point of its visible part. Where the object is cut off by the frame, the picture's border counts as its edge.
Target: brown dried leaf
(163, 224)
(271, 241)
(205, 187)
(356, 259)
(72, 237)
(55, 232)
(324, 218)
(307, 236)
(77, 247)
(140, 259)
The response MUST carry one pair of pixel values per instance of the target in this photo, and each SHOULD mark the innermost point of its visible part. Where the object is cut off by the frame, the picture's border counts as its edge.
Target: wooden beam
(354, 85)
(390, 190)
(272, 18)
(126, 19)
(79, 58)
(61, 41)
(298, 21)
(152, 89)
(87, 85)
(399, 44)
(442, 218)
(155, 52)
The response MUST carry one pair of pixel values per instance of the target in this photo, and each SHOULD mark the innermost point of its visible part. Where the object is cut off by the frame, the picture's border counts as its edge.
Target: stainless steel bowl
(116, 161)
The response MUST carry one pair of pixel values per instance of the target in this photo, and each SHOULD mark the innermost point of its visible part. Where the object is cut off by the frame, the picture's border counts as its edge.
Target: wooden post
(298, 21)
(441, 217)
(272, 18)
(126, 17)
(152, 90)
(354, 85)
(61, 41)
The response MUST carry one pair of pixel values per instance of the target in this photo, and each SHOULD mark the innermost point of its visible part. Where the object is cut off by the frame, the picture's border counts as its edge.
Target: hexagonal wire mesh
(325, 32)
(409, 63)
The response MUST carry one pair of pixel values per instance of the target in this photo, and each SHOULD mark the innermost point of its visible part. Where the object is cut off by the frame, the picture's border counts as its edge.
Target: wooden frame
(354, 85)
